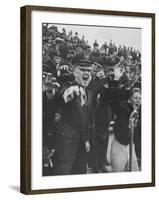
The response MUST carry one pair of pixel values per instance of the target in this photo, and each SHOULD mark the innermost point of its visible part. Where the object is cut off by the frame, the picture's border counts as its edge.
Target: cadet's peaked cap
(98, 60)
(82, 61)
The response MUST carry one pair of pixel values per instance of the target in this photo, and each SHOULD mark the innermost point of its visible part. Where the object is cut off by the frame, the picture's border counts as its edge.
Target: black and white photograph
(91, 98)
(87, 118)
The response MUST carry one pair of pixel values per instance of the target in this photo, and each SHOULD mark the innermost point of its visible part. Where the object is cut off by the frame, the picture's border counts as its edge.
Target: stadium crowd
(89, 92)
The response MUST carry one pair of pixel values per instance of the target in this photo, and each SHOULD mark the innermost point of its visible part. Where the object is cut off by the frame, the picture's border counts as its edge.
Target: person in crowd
(124, 103)
(72, 139)
(137, 129)
(50, 117)
(59, 68)
(101, 114)
(95, 51)
(124, 80)
(52, 61)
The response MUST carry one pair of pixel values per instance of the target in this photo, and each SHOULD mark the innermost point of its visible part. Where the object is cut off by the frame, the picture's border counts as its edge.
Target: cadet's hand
(87, 145)
(70, 93)
(64, 67)
(100, 74)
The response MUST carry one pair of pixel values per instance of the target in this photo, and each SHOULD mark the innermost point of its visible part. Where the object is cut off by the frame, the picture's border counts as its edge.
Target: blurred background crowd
(122, 63)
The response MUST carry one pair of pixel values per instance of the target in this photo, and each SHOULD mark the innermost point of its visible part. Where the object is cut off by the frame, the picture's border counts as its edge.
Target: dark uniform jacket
(122, 110)
(73, 128)
(103, 113)
(124, 81)
(49, 109)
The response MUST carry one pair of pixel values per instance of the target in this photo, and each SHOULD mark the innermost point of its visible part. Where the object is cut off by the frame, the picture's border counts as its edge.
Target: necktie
(83, 96)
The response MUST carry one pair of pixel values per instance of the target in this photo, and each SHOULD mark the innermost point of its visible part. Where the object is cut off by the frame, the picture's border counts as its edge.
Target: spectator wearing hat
(95, 50)
(63, 34)
(75, 40)
(59, 68)
(50, 112)
(101, 118)
(72, 140)
(51, 61)
(77, 102)
(124, 80)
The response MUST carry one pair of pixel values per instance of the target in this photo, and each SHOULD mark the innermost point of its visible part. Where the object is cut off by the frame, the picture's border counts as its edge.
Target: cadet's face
(82, 76)
(50, 92)
(57, 59)
(136, 98)
(127, 69)
(95, 69)
(79, 50)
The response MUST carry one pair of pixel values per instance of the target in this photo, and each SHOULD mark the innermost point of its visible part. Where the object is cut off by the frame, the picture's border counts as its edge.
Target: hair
(135, 90)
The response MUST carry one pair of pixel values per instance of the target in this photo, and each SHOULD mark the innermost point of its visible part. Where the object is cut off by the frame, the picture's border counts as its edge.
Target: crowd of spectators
(121, 64)
(67, 45)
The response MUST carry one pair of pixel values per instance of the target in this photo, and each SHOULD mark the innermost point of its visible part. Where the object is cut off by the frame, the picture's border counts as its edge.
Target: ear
(75, 71)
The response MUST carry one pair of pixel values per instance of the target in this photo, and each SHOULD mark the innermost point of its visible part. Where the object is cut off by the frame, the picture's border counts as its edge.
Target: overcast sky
(128, 36)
